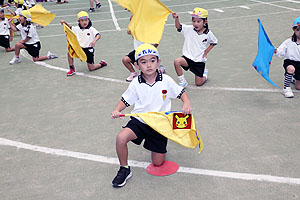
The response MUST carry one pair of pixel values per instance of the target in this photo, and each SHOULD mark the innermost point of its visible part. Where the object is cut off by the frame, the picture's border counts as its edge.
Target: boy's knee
(35, 59)
(157, 162)
(121, 139)
(290, 69)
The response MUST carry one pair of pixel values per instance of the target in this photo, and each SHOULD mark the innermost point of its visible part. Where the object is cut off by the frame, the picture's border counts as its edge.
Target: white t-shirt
(151, 98)
(28, 31)
(4, 27)
(85, 36)
(136, 43)
(289, 50)
(195, 44)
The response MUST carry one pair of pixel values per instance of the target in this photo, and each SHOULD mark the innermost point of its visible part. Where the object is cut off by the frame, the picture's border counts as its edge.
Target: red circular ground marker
(167, 168)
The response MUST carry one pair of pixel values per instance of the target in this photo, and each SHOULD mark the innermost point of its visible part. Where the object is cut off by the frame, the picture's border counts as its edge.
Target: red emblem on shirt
(164, 92)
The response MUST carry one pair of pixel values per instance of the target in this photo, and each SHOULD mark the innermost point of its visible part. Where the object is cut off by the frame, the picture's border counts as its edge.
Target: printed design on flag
(181, 121)
(164, 92)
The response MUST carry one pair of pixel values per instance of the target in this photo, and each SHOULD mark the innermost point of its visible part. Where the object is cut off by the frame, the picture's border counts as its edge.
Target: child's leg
(123, 138)
(157, 158)
(127, 63)
(70, 60)
(10, 49)
(93, 67)
(178, 62)
(40, 58)
(200, 80)
(290, 70)
(92, 3)
(297, 85)
(18, 47)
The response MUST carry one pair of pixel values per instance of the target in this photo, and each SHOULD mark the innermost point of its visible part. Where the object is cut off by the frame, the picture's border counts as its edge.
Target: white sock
(181, 78)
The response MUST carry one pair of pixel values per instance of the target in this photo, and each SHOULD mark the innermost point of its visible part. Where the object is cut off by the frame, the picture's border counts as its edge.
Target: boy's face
(297, 31)
(148, 64)
(1, 14)
(84, 22)
(198, 23)
(22, 19)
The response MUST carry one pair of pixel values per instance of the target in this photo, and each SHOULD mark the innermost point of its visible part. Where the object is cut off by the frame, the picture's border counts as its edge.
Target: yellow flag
(74, 47)
(174, 126)
(148, 20)
(39, 15)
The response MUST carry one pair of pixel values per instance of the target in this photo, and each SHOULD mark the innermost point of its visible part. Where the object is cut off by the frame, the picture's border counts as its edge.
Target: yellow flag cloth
(148, 20)
(74, 48)
(174, 126)
(39, 15)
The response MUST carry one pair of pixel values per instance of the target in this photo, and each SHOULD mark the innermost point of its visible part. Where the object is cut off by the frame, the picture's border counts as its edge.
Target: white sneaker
(51, 55)
(205, 73)
(183, 84)
(288, 93)
(131, 76)
(15, 60)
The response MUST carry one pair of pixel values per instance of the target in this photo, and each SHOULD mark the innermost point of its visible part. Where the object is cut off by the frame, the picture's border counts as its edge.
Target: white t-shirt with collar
(4, 27)
(85, 36)
(28, 31)
(195, 44)
(289, 50)
(151, 98)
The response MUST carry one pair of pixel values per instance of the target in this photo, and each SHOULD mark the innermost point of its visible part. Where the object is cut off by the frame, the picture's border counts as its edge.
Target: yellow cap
(145, 49)
(19, 1)
(26, 14)
(200, 13)
(83, 15)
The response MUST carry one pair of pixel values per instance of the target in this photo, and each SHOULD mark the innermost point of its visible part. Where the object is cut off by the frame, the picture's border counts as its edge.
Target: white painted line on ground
(113, 16)
(267, 3)
(27, 56)
(218, 10)
(292, 1)
(133, 163)
(246, 7)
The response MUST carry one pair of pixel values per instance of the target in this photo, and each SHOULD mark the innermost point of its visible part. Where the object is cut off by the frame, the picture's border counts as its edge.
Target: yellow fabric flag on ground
(148, 20)
(74, 48)
(39, 15)
(174, 126)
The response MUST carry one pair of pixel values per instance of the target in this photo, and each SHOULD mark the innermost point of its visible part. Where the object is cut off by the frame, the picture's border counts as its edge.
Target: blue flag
(264, 55)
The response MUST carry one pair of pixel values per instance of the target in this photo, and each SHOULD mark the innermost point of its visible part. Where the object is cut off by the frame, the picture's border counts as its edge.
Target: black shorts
(296, 64)
(89, 52)
(154, 141)
(33, 49)
(196, 67)
(4, 41)
(131, 55)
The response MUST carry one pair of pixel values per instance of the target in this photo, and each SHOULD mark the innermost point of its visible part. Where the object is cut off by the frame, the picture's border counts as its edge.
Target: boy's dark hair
(294, 37)
(88, 26)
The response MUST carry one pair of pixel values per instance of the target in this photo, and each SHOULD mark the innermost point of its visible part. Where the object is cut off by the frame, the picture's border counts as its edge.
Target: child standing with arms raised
(87, 37)
(145, 92)
(290, 50)
(198, 41)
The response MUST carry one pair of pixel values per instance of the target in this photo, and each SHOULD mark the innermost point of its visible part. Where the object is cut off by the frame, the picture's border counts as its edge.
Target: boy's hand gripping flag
(174, 126)
(148, 20)
(74, 48)
(265, 53)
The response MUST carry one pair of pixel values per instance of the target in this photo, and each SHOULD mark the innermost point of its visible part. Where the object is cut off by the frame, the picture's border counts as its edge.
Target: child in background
(98, 5)
(87, 37)
(145, 92)
(20, 7)
(198, 41)
(30, 40)
(290, 50)
(5, 32)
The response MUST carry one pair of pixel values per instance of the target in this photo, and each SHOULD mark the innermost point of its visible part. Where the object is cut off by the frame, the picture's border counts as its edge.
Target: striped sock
(287, 80)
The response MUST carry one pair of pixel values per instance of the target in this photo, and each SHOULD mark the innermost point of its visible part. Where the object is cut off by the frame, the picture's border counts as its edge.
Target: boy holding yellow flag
(87, 37)
(151, 91)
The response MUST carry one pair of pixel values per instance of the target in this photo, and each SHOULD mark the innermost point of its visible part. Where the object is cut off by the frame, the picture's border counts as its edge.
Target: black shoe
(91, 10)
(98, 5)
(122, 176)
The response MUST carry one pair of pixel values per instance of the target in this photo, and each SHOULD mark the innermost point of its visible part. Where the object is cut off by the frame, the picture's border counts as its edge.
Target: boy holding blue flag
(290, 50)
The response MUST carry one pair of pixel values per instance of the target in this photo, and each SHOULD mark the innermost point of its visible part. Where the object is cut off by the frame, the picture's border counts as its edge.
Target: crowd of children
(144, 91)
